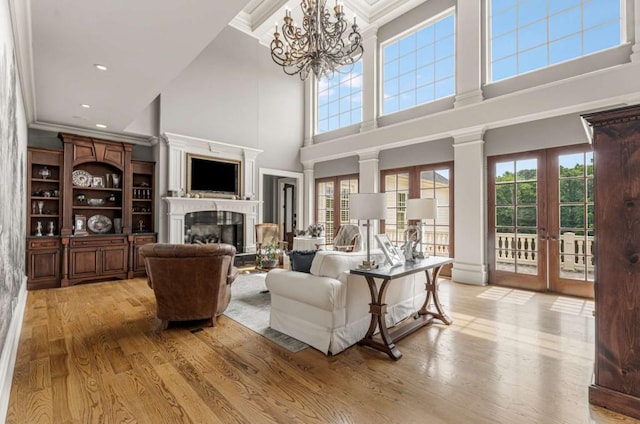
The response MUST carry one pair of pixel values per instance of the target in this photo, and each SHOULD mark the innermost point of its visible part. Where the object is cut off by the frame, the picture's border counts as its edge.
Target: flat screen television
(213, 177)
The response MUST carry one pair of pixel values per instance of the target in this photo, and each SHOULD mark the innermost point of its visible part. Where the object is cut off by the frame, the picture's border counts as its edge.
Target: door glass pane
(526, 216)
(396, 195)
(504, 171)
(572, 216)
(504, 194)
(527, 170)
(325, 208)
(504, 216)
(434, 184)
(347, 186)
(571, 165)
(572, 190)
(589, 189)
(576, 214)
(526, 193)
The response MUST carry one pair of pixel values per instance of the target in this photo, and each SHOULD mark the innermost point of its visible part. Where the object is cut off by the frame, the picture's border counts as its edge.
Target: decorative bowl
(95, 202)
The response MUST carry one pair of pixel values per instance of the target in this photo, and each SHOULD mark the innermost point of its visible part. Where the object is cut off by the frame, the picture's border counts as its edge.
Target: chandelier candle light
(319, 46)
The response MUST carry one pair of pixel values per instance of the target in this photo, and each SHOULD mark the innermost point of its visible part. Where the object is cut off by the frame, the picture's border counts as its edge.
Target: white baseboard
(10, 350)
(475, 274)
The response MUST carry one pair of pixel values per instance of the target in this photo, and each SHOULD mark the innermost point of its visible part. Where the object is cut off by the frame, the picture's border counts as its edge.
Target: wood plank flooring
(92, 354)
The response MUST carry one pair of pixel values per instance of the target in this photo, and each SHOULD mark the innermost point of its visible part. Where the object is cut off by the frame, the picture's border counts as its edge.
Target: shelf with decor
(44, 207)
(142, 195)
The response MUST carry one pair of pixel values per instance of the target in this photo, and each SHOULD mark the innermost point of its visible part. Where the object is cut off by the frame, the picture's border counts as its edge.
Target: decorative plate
(81, 178)
(99, 224)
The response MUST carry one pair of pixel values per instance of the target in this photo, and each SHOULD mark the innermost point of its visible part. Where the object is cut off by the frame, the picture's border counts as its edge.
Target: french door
(332, 203)
(541, 220)
(434, 181)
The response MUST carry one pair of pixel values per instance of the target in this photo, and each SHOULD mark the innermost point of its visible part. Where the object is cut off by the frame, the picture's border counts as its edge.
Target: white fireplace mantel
(177, 207)
(172, 171)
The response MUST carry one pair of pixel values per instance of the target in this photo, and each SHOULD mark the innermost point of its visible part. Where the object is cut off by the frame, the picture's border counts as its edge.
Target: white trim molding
(10, 350)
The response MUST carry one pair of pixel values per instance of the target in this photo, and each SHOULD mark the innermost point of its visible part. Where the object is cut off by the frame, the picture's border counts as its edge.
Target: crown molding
(138, 140)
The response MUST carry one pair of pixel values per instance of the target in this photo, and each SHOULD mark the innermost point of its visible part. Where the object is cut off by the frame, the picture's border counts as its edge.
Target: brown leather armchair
(190, 281)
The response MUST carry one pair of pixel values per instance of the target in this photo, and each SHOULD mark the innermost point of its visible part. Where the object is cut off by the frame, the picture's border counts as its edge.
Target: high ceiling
(145, 44)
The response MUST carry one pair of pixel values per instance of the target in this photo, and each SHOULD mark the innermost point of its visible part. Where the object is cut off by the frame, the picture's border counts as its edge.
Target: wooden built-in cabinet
(100, 204)
(616, 139)
(44, 212)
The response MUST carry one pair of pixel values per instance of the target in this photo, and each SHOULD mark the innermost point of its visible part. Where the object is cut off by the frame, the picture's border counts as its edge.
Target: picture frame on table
(80, 225)
(392, 253)
(97, 182)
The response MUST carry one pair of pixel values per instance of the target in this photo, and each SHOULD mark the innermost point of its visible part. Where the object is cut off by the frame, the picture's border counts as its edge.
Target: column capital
(467, 136)
(372, 155)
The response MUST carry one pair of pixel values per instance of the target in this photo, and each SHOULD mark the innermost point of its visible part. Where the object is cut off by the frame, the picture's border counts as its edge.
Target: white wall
(417, 154)
(233, 93)
(546, 133)
(13, 157)
(332, 168)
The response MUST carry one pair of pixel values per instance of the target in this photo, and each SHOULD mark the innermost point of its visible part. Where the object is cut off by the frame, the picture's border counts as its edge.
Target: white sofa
(329, 308)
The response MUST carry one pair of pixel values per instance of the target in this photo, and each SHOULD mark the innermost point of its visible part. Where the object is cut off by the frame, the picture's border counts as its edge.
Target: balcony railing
(576, 252)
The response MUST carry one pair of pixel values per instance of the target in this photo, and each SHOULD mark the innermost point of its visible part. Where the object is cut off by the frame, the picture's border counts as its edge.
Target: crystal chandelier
(319, 45)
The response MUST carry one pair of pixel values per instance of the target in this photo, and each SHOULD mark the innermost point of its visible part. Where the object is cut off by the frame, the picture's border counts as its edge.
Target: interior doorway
(281, 200)
(541, 221)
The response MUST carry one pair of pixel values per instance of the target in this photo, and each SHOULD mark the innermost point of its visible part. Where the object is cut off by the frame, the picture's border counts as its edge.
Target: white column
(468, 53)
(308, 215)
(369, 182)
(635, 55)
(369, 78)
(309, 109)
(369, 172)
(470, 265)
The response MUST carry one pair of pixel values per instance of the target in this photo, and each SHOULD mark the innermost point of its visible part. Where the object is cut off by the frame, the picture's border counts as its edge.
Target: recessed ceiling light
(101, 126)
(86, 106)
(100, 67)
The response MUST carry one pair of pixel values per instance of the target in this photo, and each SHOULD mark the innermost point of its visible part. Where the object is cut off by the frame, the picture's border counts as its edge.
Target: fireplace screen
(214, 227)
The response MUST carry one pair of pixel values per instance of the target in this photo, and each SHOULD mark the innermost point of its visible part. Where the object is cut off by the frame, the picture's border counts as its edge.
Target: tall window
(532, 34)
(419, 67)
(332, 203)
(340, 100)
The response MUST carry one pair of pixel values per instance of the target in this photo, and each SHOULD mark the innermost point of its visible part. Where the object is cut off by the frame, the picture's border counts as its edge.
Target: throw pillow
(301, 260)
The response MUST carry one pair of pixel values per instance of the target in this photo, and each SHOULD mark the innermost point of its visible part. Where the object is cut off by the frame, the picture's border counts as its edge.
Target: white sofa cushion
(331, 263)
(322, 292)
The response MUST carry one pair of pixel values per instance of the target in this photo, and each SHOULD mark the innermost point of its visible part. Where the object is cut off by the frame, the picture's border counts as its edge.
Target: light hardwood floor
(91, 354)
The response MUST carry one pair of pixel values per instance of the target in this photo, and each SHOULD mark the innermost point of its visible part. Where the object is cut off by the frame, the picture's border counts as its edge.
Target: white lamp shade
(367, 206)
(422, 208)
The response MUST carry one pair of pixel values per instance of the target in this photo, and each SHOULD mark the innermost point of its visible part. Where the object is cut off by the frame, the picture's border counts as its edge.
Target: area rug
(250, 307)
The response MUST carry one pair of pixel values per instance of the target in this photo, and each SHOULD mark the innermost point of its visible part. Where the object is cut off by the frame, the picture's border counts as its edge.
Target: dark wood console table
(378, 307)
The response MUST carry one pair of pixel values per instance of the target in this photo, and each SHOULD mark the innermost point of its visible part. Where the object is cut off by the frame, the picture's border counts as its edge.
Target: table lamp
(367, 206)
(420, 209)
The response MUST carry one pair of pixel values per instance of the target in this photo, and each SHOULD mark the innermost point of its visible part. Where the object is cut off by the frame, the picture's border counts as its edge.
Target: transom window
(340, 100)
(531, 34)
(419, 67)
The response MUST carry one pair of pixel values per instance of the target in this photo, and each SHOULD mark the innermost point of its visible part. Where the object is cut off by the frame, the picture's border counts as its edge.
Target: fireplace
(206, 227)
(236, 219)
